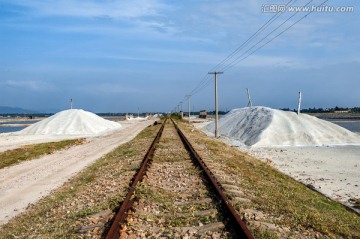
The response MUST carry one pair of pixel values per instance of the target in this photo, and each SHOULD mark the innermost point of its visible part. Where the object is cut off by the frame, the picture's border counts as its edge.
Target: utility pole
(249, 98)
(181, 111)
(215, 73)
(188, 96)
(299, 103)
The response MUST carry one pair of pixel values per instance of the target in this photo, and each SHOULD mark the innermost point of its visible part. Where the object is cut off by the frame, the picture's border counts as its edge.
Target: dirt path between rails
(26, 183)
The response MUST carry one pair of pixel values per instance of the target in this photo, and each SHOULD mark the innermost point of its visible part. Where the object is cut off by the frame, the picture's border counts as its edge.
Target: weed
(290, 203)
(28, 152)
(101, 186)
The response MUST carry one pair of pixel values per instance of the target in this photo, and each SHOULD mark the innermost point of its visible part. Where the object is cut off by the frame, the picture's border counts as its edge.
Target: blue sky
(118, 56)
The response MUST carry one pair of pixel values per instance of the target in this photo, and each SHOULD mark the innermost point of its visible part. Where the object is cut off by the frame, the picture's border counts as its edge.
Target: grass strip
(28, 152)
(71, 210)
(286, 202)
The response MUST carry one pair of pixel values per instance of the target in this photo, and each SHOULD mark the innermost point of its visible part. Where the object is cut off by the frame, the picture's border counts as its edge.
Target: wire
(261, 29)
(200, 85)
(206, 80)
(276, 36)
(234, 62)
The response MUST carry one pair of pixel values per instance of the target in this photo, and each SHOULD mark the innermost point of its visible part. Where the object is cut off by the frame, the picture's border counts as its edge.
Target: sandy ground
(332, 170)
(26, 183)
(10, 141)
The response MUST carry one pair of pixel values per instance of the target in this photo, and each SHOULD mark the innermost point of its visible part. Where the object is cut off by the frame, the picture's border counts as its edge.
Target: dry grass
(356, 202)
(171, 168)
(69, 210)
(28, 152)
(286, 202)
(101, 186)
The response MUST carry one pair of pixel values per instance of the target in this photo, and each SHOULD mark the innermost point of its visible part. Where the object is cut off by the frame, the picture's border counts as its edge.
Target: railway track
(175, 195)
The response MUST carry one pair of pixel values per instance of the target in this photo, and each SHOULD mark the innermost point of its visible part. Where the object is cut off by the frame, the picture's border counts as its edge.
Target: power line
(276, 36)
(205, 82)
(264, 38)
(253, 36)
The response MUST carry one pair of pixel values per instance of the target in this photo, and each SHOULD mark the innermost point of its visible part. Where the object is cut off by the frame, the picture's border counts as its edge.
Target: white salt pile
(262, 126)
(138, 118)
(71, 122)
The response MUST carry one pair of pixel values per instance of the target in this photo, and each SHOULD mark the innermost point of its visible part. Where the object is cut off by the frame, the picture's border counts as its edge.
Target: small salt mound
(71, 122)
(138, 118)
(261, 126)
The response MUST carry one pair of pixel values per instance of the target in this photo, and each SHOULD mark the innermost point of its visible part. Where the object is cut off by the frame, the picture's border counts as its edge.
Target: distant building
(203, 114)
(341, 111)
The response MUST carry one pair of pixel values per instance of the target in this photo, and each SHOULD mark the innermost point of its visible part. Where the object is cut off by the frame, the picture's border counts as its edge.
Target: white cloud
(29, 85)
(109, 88)
(135, 18)
(89, 8)
(262, 60)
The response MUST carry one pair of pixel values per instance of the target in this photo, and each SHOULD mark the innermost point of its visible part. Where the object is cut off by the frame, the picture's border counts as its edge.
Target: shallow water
(352, 126)
(10, 129)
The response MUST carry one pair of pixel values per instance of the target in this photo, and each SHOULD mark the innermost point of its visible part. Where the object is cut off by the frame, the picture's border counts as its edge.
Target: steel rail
(237, 224)
(114, 231)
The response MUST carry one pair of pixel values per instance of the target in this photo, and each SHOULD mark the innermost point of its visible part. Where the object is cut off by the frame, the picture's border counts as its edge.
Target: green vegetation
(175, 116)
(99, 188)
(286, 202)
(174, 160)
(28, 152)
(356, 202)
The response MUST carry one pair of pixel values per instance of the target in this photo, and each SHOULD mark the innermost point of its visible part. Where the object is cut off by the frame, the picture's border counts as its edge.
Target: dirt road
(26, 183)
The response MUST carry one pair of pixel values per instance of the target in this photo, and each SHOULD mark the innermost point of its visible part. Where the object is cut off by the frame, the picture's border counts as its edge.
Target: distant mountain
(49, 111)
(15, 110)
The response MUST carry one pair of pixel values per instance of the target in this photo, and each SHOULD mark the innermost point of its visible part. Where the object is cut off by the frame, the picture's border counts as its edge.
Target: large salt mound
(261, 126)
(71, 122)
